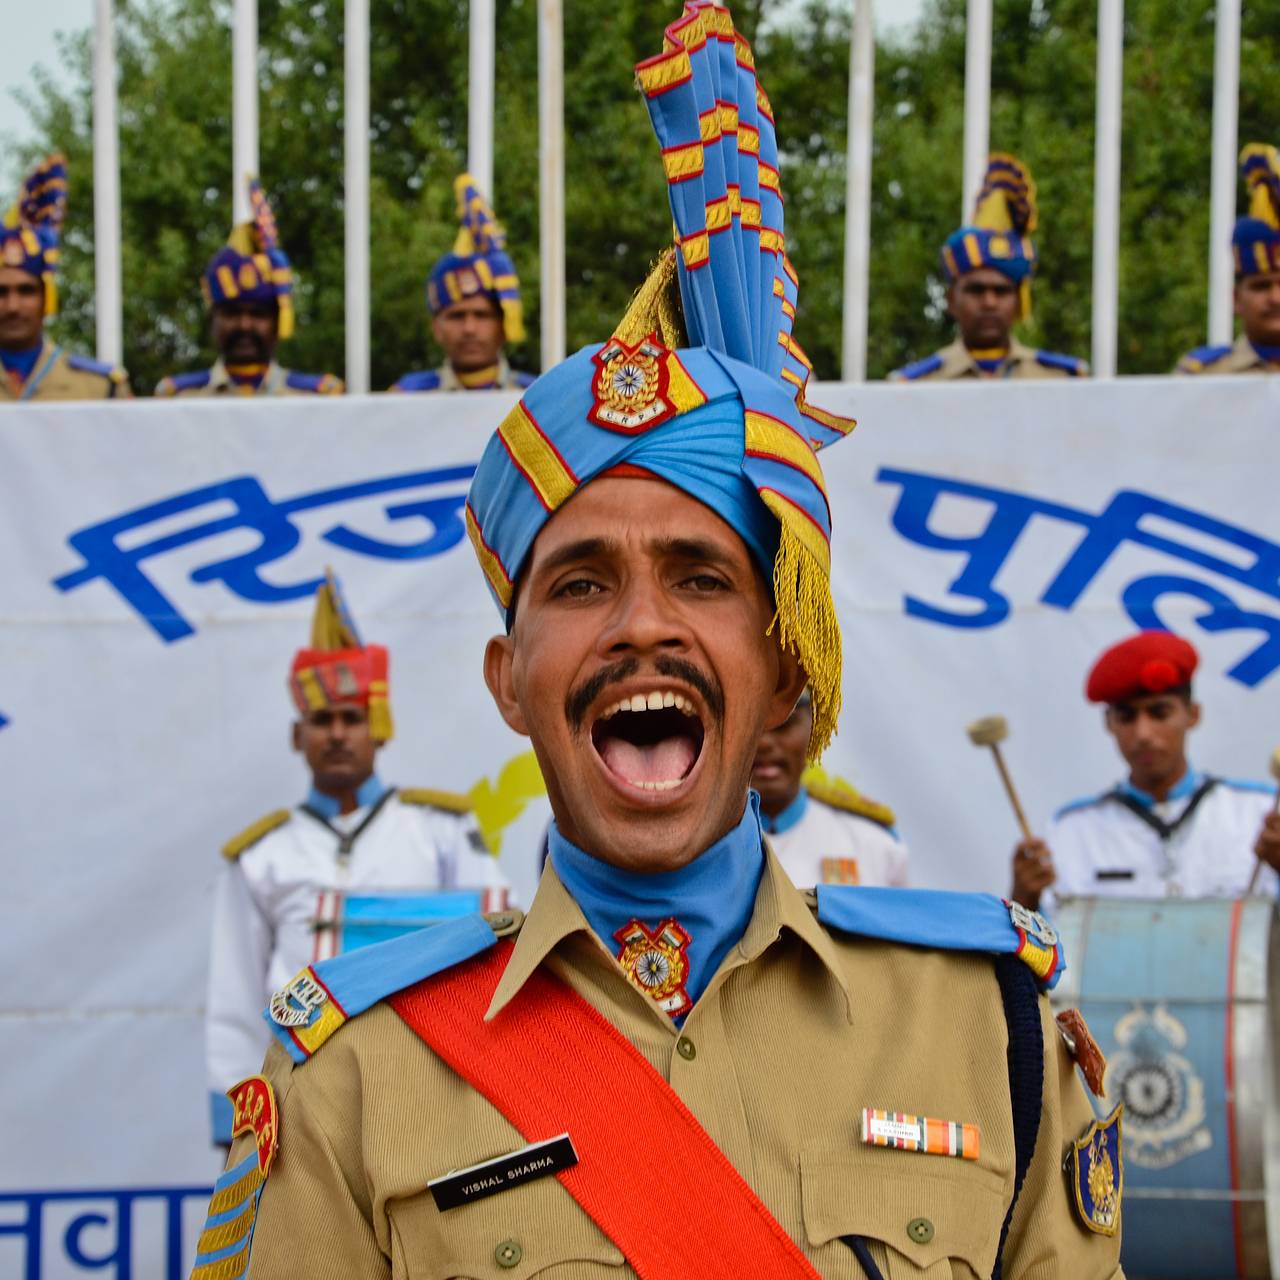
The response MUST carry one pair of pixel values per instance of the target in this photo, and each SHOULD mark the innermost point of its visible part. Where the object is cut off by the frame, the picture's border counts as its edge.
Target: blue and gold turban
(32, 230)
(999, 237)
(478, 263)
(251, 266)
(1255, 243)
(717, 409)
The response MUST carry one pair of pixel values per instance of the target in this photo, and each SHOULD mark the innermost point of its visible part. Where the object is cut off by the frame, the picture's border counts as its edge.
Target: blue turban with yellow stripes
(711, 400)
(31, 234)
(478, 263)
(999, 235)
(251, 266)
(1255, 242)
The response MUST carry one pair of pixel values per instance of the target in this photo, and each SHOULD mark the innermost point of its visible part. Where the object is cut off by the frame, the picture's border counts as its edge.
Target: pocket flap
(879, 1194)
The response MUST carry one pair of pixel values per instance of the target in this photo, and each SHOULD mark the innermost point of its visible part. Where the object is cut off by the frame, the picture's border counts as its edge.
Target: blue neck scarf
(370, 791)
(711, 898)
(1270, 354)
(1185, 786)
(789, 816)
(21, 362)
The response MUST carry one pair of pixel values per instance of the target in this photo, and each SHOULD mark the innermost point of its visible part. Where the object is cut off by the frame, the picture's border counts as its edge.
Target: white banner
(157, 565)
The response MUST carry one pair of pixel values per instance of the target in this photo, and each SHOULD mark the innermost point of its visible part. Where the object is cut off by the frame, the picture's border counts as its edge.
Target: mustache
(580, 699)
(243, 337)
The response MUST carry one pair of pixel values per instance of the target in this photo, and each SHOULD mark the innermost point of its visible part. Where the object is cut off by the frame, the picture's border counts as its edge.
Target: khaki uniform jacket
(60, 375)
(956, 361)
(797, 1032)
(1241, 357)
(216, 381)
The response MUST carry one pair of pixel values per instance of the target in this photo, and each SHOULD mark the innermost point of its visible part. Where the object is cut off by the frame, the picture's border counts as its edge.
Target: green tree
(175, 58)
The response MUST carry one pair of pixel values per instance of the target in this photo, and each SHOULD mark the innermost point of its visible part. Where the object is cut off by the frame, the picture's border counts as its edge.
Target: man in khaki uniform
(677, 1064)
(988, 267)
(248, 287)
(34, 367)
(1255, 245)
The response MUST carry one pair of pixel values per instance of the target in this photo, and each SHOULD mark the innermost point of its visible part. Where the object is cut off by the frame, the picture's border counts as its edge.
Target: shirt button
(684, 1047)
(920, 1230)
(508, 1254)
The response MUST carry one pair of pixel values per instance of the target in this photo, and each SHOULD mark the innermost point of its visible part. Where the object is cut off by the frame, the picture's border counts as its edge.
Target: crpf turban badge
(339, 667)
(32, 230)
(478, 263)
(1255, 242)
(999, 237)
(701, 384)
(251, 266)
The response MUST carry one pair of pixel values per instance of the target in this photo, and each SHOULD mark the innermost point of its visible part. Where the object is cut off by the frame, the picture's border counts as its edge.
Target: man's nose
(643, 620)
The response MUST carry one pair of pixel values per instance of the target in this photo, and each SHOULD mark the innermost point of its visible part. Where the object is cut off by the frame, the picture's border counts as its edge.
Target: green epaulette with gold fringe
(430, 798)
(840, 795)
(254, 832)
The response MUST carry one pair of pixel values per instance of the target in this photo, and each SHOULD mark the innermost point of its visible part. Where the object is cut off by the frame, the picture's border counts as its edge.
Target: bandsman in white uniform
(357, 862)
(824, 832)
(1167, 830)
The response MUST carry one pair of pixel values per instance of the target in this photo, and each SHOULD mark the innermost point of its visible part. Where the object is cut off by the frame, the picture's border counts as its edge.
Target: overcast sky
(30, 43)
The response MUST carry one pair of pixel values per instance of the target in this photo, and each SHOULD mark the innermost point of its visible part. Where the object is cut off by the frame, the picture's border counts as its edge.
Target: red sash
(550, 1063)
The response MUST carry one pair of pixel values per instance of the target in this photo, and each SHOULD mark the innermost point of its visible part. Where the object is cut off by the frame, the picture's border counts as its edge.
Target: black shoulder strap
(1165, 830)
(1026, 1074)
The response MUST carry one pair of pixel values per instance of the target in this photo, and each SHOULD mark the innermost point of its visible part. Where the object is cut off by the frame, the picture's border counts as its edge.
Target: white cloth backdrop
(142, 678)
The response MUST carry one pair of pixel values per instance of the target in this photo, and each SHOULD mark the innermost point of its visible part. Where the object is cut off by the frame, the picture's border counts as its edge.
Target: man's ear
(788, 687)
(950, 294)
(1193, 714)
(295, 735)
(1235, 300)
(436, 326)
(499, 655)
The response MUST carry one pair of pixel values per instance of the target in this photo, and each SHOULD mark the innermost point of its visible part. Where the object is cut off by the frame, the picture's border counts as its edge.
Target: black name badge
(1117, 873)
(465, 1186)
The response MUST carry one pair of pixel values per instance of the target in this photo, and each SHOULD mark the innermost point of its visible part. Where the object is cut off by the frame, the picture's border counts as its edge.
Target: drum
(1183, 997)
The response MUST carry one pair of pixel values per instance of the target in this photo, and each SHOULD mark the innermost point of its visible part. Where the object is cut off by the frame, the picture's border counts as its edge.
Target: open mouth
(650, 741)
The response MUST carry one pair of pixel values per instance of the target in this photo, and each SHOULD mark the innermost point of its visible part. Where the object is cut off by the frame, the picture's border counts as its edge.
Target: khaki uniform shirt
(796, 1033)
(505, 378)
(277, 381)
(1241, 357)
(60, 375)
(956, 361)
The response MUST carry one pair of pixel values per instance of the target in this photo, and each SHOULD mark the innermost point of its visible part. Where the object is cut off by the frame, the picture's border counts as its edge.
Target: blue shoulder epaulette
(1201, 357)
(86, 365)
(524, 379)
(183, 382)
(910, 372)
(321, 383)
(1069, 364)
(946, 921)
(1248, 784)
(424, 380)
(1085, 802)
(325, 995)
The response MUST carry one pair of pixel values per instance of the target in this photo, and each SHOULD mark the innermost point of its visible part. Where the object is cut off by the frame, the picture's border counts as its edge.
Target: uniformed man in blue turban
(248, 287)
(988, 266)
(1255, 246)
(678, 1064)
(36, 368)
(473, 296)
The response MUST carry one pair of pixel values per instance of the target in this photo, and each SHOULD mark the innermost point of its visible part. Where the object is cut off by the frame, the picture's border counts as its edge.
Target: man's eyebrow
(572, 552)
(702, 549)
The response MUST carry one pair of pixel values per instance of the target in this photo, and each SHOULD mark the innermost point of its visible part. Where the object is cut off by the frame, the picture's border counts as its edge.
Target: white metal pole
(244, 105)
(977, 101)
(1106, 186)
(108, 302)
(356, 194)
(551, 186)
(1226, 142)
(857, 203)
(480, 95)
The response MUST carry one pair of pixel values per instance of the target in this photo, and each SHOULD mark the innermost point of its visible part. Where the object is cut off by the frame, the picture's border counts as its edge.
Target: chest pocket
(930, 1216)
(533, 1230)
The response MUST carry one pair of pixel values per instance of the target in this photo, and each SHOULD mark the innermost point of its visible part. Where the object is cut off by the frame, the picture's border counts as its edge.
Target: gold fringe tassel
(381, 726)
(807, 627)
(656, 307)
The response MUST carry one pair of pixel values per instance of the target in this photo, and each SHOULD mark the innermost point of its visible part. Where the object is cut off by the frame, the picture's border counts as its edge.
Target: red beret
(1150, 662)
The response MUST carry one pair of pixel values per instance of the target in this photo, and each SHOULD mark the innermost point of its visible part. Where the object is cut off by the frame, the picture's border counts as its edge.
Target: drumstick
(1275, 808)
(991, 731)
